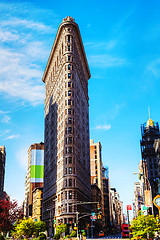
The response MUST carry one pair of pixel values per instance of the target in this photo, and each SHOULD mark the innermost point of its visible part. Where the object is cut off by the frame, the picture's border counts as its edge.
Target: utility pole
(77, 223)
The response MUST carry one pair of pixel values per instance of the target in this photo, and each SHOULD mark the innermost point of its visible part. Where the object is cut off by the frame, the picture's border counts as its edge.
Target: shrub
(73, 234)
(84, 233)
(57, 236)
(42, 236)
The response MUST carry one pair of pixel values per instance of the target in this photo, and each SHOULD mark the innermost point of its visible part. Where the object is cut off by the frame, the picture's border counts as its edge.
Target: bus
(125, 230)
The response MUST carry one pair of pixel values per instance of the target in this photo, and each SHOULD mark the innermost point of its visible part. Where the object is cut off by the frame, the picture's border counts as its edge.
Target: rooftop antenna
(149, 111)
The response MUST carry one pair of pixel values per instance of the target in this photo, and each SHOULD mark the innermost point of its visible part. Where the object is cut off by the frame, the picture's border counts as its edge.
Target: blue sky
(121, 40)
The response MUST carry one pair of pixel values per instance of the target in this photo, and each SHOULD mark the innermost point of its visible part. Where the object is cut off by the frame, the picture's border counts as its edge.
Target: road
(116, 236)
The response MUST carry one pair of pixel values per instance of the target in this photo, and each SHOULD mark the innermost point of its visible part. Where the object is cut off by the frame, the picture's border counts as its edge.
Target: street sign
(143, 207)
(129, 207)
(156, 201)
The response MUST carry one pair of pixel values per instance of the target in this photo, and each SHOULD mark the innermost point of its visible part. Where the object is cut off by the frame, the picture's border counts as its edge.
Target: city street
(115, 236)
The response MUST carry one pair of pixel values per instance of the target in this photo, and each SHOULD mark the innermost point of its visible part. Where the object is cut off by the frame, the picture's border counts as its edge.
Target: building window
(69, 75)
(69, 38)
(66, 160)
(69, 93)
(65, 194)
(95, 156)
(95, 147)
(69, 66)
(69, 101)
(96, 167)
(69, 130)
(70, 160)
(69, 48)
(69, 84)
(69, 58)
(70, 170)
(66, 170)
(70, 208)
(69, 120)
(70, 194)
(66, 182)
(69, 140)
(69, 149)
(70, 182)
(61, 196)
(96, 172)
(69, 111)
(95, 151)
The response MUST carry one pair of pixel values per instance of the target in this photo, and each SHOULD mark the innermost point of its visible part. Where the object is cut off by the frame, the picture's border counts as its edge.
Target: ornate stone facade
(67, 151)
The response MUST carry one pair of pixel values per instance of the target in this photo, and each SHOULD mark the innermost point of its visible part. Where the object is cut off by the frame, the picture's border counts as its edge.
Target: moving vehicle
(125, 230)
(101, 234)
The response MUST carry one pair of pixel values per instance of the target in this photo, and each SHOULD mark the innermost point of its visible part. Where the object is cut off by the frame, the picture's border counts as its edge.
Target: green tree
(144, 225)
(25, 228)
(39, 227)
(61, 228)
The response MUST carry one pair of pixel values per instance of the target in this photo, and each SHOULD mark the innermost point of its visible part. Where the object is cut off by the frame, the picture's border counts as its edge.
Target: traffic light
(98, 206)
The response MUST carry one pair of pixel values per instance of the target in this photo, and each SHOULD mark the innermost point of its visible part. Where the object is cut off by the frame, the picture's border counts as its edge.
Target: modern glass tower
(67, 150)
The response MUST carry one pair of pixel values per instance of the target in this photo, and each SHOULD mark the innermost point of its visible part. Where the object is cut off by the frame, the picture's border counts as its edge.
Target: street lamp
(135, 173)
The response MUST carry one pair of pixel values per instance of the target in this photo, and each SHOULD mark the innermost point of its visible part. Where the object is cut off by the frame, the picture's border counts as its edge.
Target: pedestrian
(80, 236)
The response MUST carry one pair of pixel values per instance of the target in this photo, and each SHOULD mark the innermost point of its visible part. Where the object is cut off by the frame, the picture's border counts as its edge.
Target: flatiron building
(67, 149)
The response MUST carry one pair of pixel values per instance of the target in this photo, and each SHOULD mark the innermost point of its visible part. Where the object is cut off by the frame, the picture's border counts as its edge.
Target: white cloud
(12, 137)
(5, 117)
(103, 127)
(22, 158)
(8, 36)
(14, 22)
(102, 45)
(104, 61)
(22, 59)
(20, 79)
(4, 132)
(154, 68)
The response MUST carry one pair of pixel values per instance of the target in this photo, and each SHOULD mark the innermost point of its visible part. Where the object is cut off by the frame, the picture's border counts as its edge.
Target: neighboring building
(137, 198)
(96, 226)
(37, 204)
(96, 170)
(66, 157)
(106, 197)
(96, 164)
(116, 210)
(157, 150)
(2, 169)
(150, 132)
(34, 176)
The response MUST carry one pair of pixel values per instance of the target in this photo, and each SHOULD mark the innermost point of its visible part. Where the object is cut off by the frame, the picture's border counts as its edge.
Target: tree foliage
(27, 227)
(144, 225)
(9, 214)
(61, 228)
